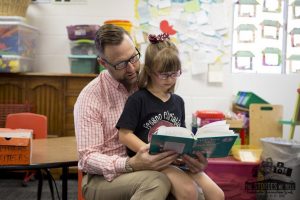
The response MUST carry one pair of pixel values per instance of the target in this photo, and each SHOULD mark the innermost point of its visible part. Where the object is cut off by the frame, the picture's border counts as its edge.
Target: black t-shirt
(144, 113)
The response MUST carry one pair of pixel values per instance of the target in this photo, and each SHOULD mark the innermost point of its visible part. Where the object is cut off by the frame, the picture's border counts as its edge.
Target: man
(110, 173)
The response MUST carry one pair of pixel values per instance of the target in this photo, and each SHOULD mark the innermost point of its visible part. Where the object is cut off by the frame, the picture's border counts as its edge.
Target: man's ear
(101, 62)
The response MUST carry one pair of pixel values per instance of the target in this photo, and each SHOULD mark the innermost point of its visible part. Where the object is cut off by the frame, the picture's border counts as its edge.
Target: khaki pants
(138, 185)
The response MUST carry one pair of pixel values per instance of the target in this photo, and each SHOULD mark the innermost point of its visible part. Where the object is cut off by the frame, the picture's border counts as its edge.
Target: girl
(155, 105)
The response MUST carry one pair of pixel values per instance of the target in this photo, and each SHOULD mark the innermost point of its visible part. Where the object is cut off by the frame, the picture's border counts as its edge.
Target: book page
(175, 132)
(214, 129)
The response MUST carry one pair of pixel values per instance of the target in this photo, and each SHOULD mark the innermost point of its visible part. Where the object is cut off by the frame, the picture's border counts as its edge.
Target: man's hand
(195, 165)
(144, 161)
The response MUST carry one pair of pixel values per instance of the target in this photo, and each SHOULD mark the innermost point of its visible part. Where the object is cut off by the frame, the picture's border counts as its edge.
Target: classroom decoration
(200, 30)
(246, 33)
(271, 56)
(247, 8)
(272, 6)
(243, 60)
(258, 51)
(270, 29)
(295, 37)
(276, 44)
(294, 63)
(296, 9)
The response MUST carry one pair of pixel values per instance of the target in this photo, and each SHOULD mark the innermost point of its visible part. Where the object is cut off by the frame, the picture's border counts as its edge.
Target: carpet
(12, 189)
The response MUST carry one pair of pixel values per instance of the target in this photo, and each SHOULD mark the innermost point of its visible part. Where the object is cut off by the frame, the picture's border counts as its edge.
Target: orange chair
(37, 123)
(80, 197)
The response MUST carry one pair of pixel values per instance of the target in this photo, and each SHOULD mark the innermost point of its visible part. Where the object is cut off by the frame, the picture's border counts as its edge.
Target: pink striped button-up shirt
(96, 113)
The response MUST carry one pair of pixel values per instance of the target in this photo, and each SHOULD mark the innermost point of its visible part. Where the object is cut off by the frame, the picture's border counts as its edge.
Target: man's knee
(158, 179)
(155, 185)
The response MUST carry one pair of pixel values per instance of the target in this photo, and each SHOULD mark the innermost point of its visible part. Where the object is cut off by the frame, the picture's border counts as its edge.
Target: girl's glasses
(166, 75)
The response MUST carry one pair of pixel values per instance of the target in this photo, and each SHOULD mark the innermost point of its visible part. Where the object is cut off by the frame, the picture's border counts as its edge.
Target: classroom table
(60, 152)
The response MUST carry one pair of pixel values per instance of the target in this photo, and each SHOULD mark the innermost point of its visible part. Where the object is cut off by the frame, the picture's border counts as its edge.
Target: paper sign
(243, 63)
(246, 36)
(270, 31)
(192, 6)
(215, 73)
(271, 5)
(271, 59)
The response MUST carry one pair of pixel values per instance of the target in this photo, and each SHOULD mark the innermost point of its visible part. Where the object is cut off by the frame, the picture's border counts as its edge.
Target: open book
(213, 140)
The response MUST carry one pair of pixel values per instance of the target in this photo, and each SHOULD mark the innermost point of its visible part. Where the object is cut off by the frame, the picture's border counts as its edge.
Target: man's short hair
(109, 34)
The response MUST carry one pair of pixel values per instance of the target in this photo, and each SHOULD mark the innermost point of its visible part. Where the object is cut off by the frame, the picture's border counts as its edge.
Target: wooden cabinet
(52, 95)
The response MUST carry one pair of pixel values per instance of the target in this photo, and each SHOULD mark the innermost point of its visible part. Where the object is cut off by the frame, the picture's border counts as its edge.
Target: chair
(80, 175)
(38, 123)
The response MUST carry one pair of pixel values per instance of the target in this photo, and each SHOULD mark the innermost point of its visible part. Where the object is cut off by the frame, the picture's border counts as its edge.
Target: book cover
(213, 140)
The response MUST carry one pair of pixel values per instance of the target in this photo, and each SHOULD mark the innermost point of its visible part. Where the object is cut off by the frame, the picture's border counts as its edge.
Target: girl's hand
(195, 165)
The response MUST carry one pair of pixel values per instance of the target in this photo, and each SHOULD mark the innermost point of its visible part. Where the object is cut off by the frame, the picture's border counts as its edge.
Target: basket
(127, 25)
(82, 31)
(245, 99)
(14, 7)
(6, 109)
(246, 153)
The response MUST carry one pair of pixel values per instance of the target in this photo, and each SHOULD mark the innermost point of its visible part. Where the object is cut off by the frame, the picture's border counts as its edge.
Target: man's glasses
(166, 75)
(124, 64)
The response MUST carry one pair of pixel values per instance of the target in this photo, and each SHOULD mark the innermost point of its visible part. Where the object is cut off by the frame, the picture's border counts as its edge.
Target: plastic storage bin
(77, 32)
(127, 25)
(208, 116)
(14, 64)
(245, 99)
(234, 177)
(17, 38)
(83, 64)
(83, 47)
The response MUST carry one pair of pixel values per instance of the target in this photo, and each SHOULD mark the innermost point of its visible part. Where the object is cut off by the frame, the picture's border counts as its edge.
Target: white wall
(53, 50)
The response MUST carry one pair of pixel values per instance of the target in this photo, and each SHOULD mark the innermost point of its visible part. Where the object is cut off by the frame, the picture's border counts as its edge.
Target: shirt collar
(116, 84)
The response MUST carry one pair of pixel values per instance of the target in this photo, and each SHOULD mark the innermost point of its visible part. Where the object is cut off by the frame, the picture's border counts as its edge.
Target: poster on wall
(257, 39)
(266, 36)
(293, 38)
(201, 35)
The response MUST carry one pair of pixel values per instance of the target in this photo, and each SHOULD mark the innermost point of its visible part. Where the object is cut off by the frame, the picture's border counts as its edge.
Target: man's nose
(130, 67)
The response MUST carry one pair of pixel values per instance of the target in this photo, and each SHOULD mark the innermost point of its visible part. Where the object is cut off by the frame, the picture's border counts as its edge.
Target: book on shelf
(214, 140)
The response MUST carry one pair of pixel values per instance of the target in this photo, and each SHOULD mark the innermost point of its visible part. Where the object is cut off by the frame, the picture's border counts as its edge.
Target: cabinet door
(46, 95)
(73, 87)
(11, 90)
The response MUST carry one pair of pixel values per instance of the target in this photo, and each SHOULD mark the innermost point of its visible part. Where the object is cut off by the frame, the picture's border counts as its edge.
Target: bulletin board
(200, 29)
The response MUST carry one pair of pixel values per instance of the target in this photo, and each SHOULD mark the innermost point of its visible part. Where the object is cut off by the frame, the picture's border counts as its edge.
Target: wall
(53, 50)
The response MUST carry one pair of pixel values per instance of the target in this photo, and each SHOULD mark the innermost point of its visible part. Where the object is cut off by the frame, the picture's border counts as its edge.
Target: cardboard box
(15, 146)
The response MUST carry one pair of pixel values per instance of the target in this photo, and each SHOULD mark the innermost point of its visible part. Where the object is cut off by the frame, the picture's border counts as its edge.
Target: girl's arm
(129, 139)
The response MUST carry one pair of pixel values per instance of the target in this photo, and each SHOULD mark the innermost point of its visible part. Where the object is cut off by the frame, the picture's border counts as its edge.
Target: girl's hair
(109, 34)
(159, 57)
